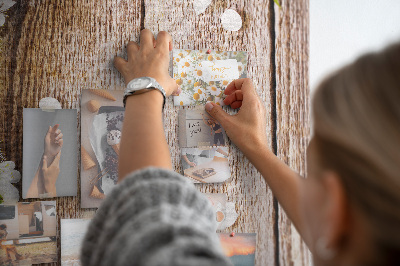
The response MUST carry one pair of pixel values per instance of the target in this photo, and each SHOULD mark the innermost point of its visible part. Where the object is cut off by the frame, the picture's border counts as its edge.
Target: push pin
(208, 51)
(232, 234)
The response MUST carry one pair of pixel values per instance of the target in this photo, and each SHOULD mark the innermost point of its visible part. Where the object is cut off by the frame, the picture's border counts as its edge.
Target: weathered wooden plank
(57, 48)
(254, 202)
(292, 107)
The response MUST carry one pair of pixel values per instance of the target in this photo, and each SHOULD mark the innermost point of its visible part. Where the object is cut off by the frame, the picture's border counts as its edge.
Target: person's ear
(336, 216)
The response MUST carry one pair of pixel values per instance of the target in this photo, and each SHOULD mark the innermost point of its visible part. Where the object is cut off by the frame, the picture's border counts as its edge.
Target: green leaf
(1, 199)
(277, 2)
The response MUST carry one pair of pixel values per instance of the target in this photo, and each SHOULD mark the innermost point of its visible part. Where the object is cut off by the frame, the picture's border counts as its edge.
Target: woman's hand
(150, 59)
(53, 142)
(247, 129)
(50, 174)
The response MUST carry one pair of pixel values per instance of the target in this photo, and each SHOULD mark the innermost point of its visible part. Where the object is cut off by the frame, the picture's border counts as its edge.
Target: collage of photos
(204, 151)
(102, 114)
(49, 153)
(203, 75)
(28, 233)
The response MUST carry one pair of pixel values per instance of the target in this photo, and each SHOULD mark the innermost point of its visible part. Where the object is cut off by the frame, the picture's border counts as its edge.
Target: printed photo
(240, 248)
(72, 234)
(198, 129)
(102, 114)
(206, 165)
(28, 233)
(204, 76)
(225, 212)
(49, 153)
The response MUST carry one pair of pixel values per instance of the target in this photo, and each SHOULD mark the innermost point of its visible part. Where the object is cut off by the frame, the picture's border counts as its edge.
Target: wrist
(50, 188)
(150, 99)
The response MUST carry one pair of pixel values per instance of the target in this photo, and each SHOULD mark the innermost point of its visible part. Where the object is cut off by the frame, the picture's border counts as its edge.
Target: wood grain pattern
(248, 189)
(292, 107)
(59, 47)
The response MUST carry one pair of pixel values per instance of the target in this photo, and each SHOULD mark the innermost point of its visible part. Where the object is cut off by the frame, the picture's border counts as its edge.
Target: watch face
(140, 83)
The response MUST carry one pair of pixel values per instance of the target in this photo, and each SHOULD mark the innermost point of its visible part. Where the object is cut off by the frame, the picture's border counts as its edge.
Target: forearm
(143, 140)
(33, 191)
(186, 158)
(284, 182)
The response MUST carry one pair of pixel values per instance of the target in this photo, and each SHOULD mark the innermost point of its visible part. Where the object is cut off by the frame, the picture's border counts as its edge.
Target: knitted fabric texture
(153, 217)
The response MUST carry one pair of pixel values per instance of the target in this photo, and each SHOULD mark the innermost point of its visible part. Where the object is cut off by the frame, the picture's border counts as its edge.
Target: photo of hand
(44, 182)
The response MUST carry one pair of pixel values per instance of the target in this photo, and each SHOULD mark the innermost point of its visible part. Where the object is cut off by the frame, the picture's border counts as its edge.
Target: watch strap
(153, 86)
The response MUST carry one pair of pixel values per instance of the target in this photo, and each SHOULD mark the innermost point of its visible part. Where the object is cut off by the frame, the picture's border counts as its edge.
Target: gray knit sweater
(153, 217)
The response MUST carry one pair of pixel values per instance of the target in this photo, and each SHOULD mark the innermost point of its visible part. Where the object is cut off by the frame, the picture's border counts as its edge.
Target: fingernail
(209, 106)
(179, 90)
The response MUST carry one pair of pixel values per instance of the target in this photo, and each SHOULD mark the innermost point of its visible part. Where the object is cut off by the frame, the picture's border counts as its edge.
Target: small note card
(204, 76)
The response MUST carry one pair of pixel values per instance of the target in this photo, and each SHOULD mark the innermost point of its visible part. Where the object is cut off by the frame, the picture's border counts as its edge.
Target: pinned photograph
(198, 129)
(102, 114)
(49, 153)
(225, 212)
(28, 233)
(239, 247)
(72, 233)
(203, 76)
(206, 165)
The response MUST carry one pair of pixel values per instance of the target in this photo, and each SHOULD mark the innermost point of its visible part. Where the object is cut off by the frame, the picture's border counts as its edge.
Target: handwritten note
(194, 128)
(219, 70)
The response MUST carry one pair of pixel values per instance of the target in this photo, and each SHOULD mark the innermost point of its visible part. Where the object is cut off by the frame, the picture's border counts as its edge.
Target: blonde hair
(357, 134)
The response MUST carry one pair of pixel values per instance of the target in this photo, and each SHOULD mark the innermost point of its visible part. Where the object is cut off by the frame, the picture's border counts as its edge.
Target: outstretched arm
(247, 130)
(143, 140)
(188, 161)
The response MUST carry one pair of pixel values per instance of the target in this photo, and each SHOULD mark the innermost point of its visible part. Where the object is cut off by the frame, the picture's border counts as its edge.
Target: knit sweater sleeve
(153, 217)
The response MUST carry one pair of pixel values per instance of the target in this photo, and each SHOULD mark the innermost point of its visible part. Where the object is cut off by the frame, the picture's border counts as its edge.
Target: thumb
(218, 113)
(44, 163)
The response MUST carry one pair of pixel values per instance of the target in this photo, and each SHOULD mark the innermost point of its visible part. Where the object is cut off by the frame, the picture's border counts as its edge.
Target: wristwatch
(142, 85)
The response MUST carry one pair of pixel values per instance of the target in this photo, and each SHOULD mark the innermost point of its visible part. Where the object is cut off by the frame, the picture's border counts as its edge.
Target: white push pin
(231, 20)
(49, 104)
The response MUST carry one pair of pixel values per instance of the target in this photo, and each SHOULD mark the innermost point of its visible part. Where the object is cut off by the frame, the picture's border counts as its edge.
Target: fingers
(146, 40)
(48, 132)
(119, 63)
(59, 137)
(60, 142)
(245, 85)
(56, 126)
(216, 112)
(235, 99)
(164, 41)
(177, 91)
(131, 49)
(44, 163)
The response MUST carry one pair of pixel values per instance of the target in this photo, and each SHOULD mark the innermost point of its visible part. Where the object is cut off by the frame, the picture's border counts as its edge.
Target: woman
(347, 210)
(9, 250)
(217, 130)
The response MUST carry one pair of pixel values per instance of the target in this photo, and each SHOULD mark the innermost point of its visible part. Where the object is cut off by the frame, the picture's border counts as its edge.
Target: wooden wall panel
(55, 49)
(292, 111)
(254, 201)
(59, 47)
